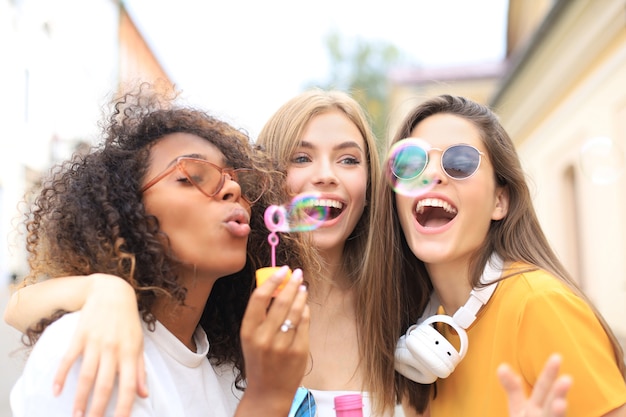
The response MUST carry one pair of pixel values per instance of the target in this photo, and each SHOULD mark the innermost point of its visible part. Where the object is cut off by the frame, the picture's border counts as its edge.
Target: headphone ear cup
(432, 350)
(408, 366)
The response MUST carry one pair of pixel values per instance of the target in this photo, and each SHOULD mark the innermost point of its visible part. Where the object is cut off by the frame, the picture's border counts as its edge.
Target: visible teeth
(434, 202)
(327, 203)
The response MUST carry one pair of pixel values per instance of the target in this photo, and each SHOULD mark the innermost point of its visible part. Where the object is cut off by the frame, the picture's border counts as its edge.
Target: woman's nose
(324, 174)
(433, 171)
(231, 190)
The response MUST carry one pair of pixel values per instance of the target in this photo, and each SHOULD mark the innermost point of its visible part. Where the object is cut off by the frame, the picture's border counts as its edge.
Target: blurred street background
(554, 70)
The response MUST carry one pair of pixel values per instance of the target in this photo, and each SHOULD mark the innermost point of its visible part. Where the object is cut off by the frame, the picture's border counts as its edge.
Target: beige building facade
(566, 86)
(561, 95)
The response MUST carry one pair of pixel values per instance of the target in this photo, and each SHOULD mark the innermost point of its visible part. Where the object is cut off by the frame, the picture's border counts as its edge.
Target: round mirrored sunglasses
(408, 159)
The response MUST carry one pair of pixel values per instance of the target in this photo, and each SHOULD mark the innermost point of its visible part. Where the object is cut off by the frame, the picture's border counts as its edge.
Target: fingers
(290, 304)
(103, 388)
(542, 388)
(549, 392)
(558, 397)
(548, 397)
(128, 380)
(274, 328)
(261, 297)
(142, 385)
(86, 378)
(76, 347)
(301, 337)
(110, 340)
(275, 338)
(512, 384)
(286, 309)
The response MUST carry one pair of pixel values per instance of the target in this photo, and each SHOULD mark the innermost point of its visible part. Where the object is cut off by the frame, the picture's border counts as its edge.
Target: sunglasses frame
(443, 151)
(232, 174)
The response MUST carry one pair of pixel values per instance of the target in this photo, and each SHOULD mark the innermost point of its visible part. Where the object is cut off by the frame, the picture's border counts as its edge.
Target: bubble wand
(302, 214)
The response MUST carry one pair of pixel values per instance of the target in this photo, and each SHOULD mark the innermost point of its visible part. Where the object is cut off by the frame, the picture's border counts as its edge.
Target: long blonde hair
(280, 137)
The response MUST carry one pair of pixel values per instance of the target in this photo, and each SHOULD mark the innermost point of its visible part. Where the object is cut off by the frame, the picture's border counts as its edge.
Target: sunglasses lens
(460, 161)
(202, 175)
(253, 184)
(407, 162)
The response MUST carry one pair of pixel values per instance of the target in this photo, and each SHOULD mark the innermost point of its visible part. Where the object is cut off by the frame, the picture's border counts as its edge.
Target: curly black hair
(89, 217)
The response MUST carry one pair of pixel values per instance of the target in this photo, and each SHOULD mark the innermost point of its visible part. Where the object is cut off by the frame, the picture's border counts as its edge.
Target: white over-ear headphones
(423, 354)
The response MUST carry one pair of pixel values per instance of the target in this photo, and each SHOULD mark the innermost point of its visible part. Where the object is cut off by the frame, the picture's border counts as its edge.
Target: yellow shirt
(529, 317)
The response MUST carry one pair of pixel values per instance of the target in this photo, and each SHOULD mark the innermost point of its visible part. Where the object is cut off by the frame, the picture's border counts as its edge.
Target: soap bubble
(302, 214)
(305, 213)
(405, 167)
(601, 160)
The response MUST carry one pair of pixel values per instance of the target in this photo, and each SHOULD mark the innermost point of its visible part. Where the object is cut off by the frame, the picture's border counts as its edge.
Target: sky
(242, 59)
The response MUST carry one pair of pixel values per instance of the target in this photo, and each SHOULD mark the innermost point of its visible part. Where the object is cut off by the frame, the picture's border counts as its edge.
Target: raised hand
(110, 341)
(275, 343)
(548, 398)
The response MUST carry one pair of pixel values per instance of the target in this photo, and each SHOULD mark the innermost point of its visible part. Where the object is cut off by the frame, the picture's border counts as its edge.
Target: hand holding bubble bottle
(302, 214)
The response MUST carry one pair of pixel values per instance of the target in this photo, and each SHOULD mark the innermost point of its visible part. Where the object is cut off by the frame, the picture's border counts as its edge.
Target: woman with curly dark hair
(164, 202)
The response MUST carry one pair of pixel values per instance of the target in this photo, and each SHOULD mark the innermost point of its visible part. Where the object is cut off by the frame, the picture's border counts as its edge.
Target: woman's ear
(502, 204)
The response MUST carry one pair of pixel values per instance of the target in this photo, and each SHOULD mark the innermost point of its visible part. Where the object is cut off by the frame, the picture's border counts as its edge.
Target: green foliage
(360, 67)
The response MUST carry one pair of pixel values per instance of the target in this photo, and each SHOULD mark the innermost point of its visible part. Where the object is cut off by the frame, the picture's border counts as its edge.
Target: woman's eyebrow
(305, 144)
(348, 144)
(342, 145)
(222, 162)
(191, 155)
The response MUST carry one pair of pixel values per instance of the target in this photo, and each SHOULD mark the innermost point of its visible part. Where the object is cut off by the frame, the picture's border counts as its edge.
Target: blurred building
(61, 62)
(566, 86)
(561, 95)
(411, 86)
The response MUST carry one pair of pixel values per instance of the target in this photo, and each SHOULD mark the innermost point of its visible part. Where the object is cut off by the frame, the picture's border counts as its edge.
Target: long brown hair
(517, 237)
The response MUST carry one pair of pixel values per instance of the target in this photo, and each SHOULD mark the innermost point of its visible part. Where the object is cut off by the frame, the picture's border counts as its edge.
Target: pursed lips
(238, 222)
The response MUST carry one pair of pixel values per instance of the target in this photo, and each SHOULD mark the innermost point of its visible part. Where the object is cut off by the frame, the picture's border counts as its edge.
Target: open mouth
(324, 209)
(433, 212)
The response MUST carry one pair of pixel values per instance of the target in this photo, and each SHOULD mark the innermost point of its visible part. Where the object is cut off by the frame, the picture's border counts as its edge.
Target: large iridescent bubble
(302, 214)
(405, 167)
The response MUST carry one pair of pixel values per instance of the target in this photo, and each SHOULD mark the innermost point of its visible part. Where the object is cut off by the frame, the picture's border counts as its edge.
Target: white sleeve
(32, 393)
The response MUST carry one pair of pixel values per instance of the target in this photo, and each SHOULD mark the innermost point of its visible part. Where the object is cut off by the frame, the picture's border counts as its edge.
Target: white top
(324, 401)
(180, 382)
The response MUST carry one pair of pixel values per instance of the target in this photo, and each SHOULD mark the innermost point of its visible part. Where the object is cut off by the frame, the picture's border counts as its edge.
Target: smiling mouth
(434, 212)
(331, 208)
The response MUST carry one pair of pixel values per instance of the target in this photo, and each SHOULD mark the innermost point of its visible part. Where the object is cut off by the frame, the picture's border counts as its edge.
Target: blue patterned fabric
(303, 404)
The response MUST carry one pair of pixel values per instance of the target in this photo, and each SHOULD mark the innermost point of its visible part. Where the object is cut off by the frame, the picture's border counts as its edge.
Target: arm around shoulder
(31, 303)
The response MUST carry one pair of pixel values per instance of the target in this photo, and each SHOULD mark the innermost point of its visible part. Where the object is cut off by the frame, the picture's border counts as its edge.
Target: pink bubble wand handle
(302, 211)
(275, 218)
